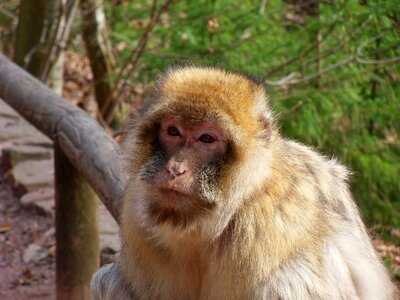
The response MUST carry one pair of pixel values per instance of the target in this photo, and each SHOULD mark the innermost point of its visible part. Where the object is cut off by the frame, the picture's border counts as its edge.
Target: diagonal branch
(129, 67)
(81, 138)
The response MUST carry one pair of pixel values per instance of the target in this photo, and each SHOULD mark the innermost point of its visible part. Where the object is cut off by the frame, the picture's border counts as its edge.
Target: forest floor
(27, 234)
(25, 274)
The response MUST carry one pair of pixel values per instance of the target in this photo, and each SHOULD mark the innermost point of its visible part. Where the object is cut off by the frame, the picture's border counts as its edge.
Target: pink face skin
(189, 147)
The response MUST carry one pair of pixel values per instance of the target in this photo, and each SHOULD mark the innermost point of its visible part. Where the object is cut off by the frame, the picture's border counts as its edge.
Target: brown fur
(278, 222)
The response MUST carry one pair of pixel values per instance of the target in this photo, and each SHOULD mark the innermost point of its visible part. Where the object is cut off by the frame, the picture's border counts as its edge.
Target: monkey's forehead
(212, 73)
(208, 91)
(211, 81)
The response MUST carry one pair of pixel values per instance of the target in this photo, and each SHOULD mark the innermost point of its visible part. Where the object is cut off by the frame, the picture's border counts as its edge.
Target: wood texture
(82, 139)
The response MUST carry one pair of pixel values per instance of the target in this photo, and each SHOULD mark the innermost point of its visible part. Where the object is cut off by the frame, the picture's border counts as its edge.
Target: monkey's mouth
(170, 197)
(176, 207)
(174, 188)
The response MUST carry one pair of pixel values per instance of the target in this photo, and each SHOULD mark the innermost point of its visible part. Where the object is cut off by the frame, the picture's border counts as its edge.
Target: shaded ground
(20, 228)
(27, 234)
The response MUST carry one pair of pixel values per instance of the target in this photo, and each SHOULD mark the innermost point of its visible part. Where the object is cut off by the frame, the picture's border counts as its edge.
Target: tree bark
(89, 151)
(42, 31)
(98, 47)
(77, 234)
(37, 23)
(89, 148)
(53, 66)
(29, 34)
(77, 254)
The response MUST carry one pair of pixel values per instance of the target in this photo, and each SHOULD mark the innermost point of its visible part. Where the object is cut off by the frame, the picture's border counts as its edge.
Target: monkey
(219, 205)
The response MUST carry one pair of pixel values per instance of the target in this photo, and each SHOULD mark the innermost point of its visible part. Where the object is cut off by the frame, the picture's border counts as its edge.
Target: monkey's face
(182, 173)
(200, 148)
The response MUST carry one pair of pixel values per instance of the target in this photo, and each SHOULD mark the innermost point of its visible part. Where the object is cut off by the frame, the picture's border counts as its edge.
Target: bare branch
(129, 67)
(308, 50)
(290, 79)
(285, 81)
(59, 39)
(360, 54)
(261, 10)
(9, 14)
(81, 138)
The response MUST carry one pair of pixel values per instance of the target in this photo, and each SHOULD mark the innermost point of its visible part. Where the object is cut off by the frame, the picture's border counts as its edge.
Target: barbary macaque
(220, 206)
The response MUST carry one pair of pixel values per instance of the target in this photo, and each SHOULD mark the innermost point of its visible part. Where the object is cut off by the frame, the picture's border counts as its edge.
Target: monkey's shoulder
(307, 160)
(315, 179)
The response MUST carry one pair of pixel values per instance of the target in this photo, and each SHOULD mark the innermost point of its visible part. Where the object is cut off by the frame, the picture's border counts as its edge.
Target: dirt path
(27, 272)
(27, 234)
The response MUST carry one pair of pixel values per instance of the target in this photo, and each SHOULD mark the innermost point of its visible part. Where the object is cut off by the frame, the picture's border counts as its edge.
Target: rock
(38, 195)
(37, 140)
(45, 206)
(16, 153)
(7, 112)
(34, 253)
(13, 126)
(109, 231)
(16, 128)
(41, 200)
(50, 232)
(31, 175)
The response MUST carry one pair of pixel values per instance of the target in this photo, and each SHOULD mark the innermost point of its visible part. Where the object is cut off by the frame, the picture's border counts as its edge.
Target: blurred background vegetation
(332, 68)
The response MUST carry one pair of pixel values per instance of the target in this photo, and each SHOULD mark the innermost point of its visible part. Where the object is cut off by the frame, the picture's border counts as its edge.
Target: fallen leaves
(4, 227)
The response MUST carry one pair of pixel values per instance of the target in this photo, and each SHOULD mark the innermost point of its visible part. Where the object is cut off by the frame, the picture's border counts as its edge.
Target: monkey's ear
(266, 123)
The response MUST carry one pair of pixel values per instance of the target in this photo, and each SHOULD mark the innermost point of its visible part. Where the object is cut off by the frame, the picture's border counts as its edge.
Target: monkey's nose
(175, 168)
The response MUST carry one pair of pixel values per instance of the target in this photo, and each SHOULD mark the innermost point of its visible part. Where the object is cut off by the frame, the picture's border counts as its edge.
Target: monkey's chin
(176, 208)
(170, 198)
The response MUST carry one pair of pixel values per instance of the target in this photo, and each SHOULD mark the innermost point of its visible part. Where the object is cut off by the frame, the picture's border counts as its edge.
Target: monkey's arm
(108, 284)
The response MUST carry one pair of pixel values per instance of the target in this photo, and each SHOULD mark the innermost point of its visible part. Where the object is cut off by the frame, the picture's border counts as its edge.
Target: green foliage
(352, 111)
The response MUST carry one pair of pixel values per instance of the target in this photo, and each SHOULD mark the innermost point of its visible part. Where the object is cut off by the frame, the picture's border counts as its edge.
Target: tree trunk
(77, 255)
(52, 70)
(96, 158)
(98, 48)
(36, 24)
(42, 31)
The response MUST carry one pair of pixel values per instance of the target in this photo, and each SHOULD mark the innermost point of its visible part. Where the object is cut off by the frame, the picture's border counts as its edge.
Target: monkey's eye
(173, 131)
(206, 138)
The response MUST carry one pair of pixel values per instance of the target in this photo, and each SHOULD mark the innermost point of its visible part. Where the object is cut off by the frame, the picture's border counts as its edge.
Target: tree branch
(291, 79)
(132, 61)
(82, 139)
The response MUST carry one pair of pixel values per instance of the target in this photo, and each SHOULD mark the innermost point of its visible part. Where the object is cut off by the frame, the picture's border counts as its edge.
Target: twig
(307, 51)
(33, 50)
(9, 14)
(312, 76)
(382, 50)
(67, 12)
(262, 6)
(50, 55)
(378, 62)
(283, 81)
(289, 79)
(325, 35)
(360, 48)
(129, 67)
